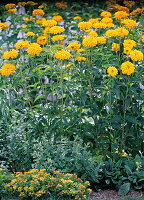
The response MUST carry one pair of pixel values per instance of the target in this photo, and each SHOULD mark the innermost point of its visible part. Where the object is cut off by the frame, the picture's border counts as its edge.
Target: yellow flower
(34, 49)
(22, 194)
(85, 25)
(24, 26)
(101, 40)
(106, 14)
(12, 10)
(111, 33)
(67, 67)
(22, 44)
(10, 54)
(143, 38)
(127, 68)
(10, 6)
(121, 14)
(89, 42)
(127, 50)
(129, 23)
(122, 32)
(56, 13)
(115, 47)
(49, 23)
(94, 20)
(74, 45)
(21, 4)
(57, 18)
(129, 43)
(129, 4)
(56, 30)
(31, 3)
(19, 189)
(31, 188)
(89, 190)
(46, 31)
(87, 183)
(107, 20)
(80, 50)
(136, 55)
(14, 187)
(112, 71)
(38, 12)
(28, 19)
(42, 40)
(62, 5)
(62, 55)
(4, 25)
(1, 169)
(58, 37)
(26, 188)
(93, 34)
(40, 21)
(30, 34)
(77, 18)
(80, 58)
(99, 25)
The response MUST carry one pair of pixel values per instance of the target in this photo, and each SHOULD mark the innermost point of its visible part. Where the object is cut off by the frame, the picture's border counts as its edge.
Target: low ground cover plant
(72, 90)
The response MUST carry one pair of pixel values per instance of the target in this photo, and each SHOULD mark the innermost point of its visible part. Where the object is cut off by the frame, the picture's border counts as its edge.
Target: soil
(112, 194)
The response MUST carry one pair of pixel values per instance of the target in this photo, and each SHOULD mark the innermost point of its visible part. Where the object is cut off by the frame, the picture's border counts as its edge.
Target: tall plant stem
(61, 84)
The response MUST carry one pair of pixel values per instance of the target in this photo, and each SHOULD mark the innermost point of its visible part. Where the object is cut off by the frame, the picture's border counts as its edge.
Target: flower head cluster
(115, 47)
(62, 55)
(99, 25)
(4, 25)
(129, 43)
(30, 34)
(137, 11)
(121, 15)
(56, 30)
(10, 54)
(21, 4)
(127, 50)
(62, 5)
(89, 42)
(80, 58)
(106, 14)
(22, 44)
(136, 55)
(121, 32)
(129, 23)
(101, 40)
(10, 6)
(77, 18)
(112, 71)
(34, 49)
(58, 38)
(85, 26)
(94, 20)
(49, 23)
(38, 183)
(129, 4)
(40, 21)
(42, 40)
(12, 10)
(127, 68)
(93, 34)
(7, 69)
(38, 12)
(28, 19)
(57, 18)
(143, 38)
(74, 45)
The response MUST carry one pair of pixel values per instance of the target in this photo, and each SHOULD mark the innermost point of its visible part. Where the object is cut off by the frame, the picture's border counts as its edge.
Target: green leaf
(124, 189)
(39, 97)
